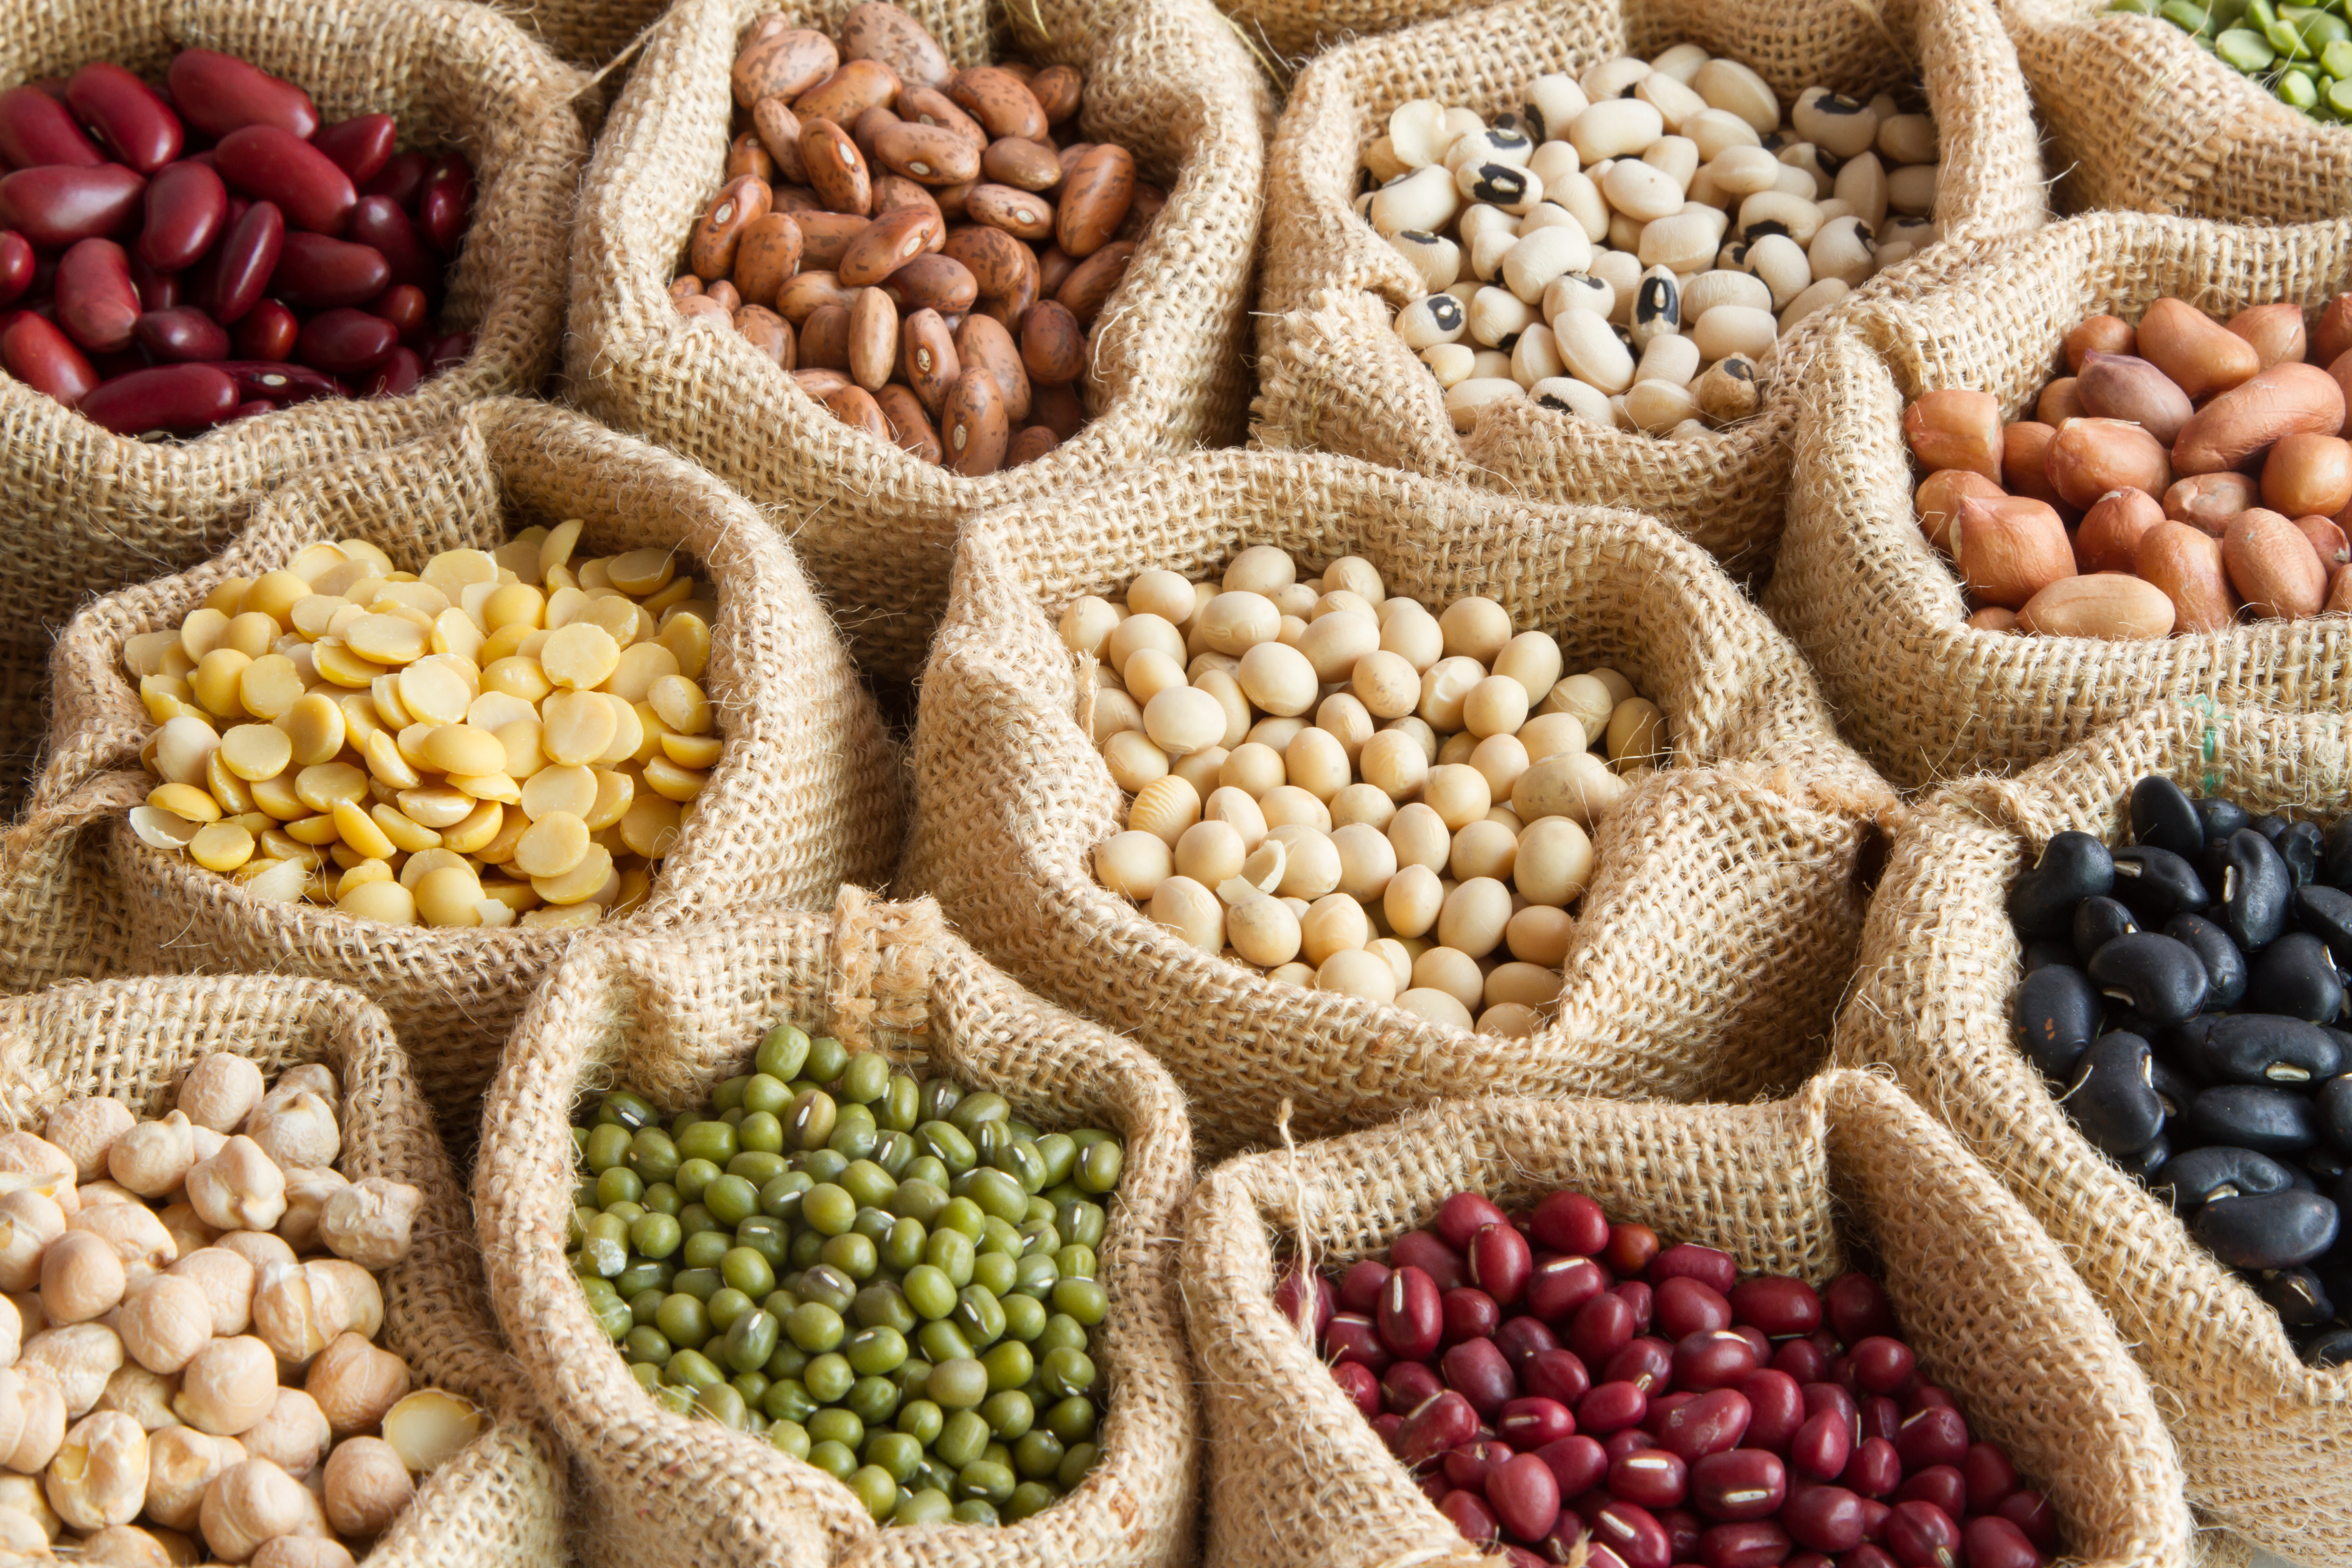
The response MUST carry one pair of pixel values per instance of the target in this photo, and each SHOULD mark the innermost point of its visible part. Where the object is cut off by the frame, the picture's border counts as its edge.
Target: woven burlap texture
(501, 1502)
(668, 1017)
(2266, 1440)
(1722, 918)
(1848, 1173)
(805, 796)
(2140, 119)
(876, 526)
(592, 34)
(86, 511)
(1334, 376)
(1879, 612)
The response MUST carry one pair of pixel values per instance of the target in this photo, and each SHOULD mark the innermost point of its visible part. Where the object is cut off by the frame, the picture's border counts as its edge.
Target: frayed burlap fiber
(876, 526)
(805, 796)
(83, 512)
(501, 1502)
(1849, 1173)
(2266, 1441)
(1720, 923)
(592, 34)
(1334, 376)
(668, 1016)
(1880, 615)
(2140, 119)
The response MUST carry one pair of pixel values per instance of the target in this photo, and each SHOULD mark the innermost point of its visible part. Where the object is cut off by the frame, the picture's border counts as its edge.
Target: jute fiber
(501, 1500)
(86, 511)
(2141, 119)
(668, 1017)
(1849, 1173)
(592, 34)
(2266, 1441)
(1880, 614)
(1166, 79)
(1334, 376)
(1719, 927)
(805, 797)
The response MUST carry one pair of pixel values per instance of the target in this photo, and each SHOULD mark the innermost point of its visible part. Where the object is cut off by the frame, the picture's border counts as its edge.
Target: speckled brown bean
(877, 31)
(1000, 100)
(873, 338)
(768, 333)
(983, 343)
(787, 61)
(821, 384)
(739, 205)
(856, 406)
(795, 199)
(952, 197)
(1053, 345)
(938, 283)
(702, 307)
(747, 155)
(887, 245)
(972, 425)
(1057, 89)
(767, 256)
(1021, 213)
(1055, 266)
(809, 291)
(996, 260)
(826, 237)
(1094, 200)
(825, 340)
(1095, 280)
(1032, 443)
(1023, 165)
(930, 360)
(779, 131)
(1148, 201)
(910, 427)
(836, 168)
(725, 294)
(1010, 308)
(894, 193)
(849, 92)
(930, 154)
(685, 286)
(1070, 154)
(868, 131)
(1057, 408)
(929, 106)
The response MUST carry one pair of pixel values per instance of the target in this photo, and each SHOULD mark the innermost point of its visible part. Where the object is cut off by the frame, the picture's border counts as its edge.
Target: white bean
(1680, 242)
(1728, 330)
(1566, 395)
(1730, 86)
(1533, 262)
(1671, 357)
(1658, 407)
(1615, 128)
(1640, 191)
(1716, 130)
(1780, 263)
(1434, 258)
(1721, 286)
(1464, 399)
(1674, 102)
(1846, 126)
(1536, 356)
(1842, 251)
(1861, 185)
(1825, 293)
(1591, 350)
(1578, 291)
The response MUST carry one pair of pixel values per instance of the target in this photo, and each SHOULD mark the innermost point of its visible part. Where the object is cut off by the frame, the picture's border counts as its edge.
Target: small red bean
(219, 93)
(1811, 1560)
(269, 165)
(1423, 1249)
(1596, 1555)
(1778, 1304)
(45, 359)
(402, 179)
(1445, 1422)
(1875, 1515)
(1531, 1421)
(360, 146)
(1631, 1440)
(1601, 1327)
(1462, 1216)
(1524, 1496)
(1525, 1557)
(1362, 1389)
(1722, 1359)
(1921, 1535)
(1687, 1305)
(1745, 1483)
(1611, 1407)
(1633, 1534)
(1802, 1360)
(268, 331)
(1557, 1375)
(1644, 1363)
(1857, 1308)
(1994, 1543)
(37, 131)
(97, 304)
(1360, 1286)
(1710, 1267)
(1641, 1299)
(1408, 1386)
(1435, 1486)
(1928, 1394)
(1559, 1286)
(1579, 1463)
(1662, 1405)
(1867, 1555)
(130, 117)
(176, 398)
(1683, 1531)
(1571, 1223)
(1651, 1476)
(1476, 1370)
(1874, 1468)
(56, 206)
(1825, 1518)
(1521, 1338)
(183, 334)
(2032, 1513)
(1990, 1475)
(240, 269)
(457, 348)
(1500, 1262)
(1473, 1462)
(1881, 1418)
(1411, 1318)
(1470, 1515)
(1711, 1423)
(1351, 1336)
(1468, 1314)
(1299, 1294)
(1755, 1544)
(1822, 1447)
(1755, 1338)
(443, 204)
(1630, 1248)
(1778, 1406)
(1937, 1484)
(16, 263)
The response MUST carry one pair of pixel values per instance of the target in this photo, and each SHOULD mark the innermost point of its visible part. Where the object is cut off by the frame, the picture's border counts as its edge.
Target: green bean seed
(833, 1459)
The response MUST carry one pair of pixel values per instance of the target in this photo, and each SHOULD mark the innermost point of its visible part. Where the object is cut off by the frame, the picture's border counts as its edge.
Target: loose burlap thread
(1710, 947)
(1334, 375)
(2266, 1442)
(805, 795)
(668, 1017)
(876, 526)
(87, 511)
(1848, 1173)
(1879, 612)
(2142, 120)
(500, 1502)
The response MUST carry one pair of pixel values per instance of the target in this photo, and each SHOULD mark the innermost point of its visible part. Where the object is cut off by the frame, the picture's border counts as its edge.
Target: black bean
(2335, 1103)
(2329, 1350)
(2098, 921)
(2225, 965)
(2262, 1047)
(2199, 1176)
(2043, 952)
(2294, 976)
(2073, 866)
(2253, 1116)
(2326, 913)
(2222, 818)
(2181, 1045)
(2336, 862)
(2156, 884)
(2111, 1097)
(2270, 824)
(2298, 1297)
(2335, 1271)
(2153, 975)
(2163, 814)
(2144, 1163)
(2300, 847)
(2268, 1230)
(2174, 1087)
(2326, 1166)
(2057, 1017)
(2255, 887)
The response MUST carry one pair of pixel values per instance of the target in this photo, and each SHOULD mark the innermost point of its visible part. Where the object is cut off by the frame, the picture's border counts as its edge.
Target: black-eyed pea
(1842, 249)
(1911, 189)
(1670, 357)
(1496, 317)
(1780, 263)
(1822, 295)
(1675, 102)
(1536, 357)
(1658, 407)
(1437, 318)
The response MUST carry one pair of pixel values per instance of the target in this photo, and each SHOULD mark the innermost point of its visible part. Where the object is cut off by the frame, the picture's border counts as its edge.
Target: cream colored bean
(1317, 763)
(1553, 101)
(1578, 291)
(1539, 935)
(1184, 719)
(1263, 931)
(1274, 733)
(1240, 811)
(1165, 807)
(1715, 131)
(1133, 863)
(1780, 263)
(1149, 672)
(1260, 569)
(1361, 802)
(1555, 861)
(1185, 907)
(1669, 358)
(1842, 251)
(1368, 860)
(1435, 259)
(1209, 852)
(1157, 592)
(1358, 973)
(1291, 807)
(1473, 916)
(1566, 395)
(1500, 759)
(1550, 734)
(1483, 848)
(1346, 717)
(1253, 767)
(1424, 202)
(1450, 972)
(1420, 836)
(1680, 242)
(1279, 679)
(1394, 764)
(1641, 191)
(1412, 900)
(1133, 759)
(1862, 185)
(1612, 78)
(1333, 923)
(1621, 270)
(1311, 864)
(1458, 793)
(1233, 623)
(1912, 188)
(1414, 637)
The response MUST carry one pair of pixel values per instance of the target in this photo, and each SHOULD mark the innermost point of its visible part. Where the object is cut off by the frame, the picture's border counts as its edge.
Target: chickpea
(294, 1435)
(240, 1188)
(75, 1359)
(354, 1382)
(24, 1494)
(41, 1408)
(220, 1091)
(99, 1474)
(182, 1464)
(144, 1397)
(296, 1129)
(307, 1192)
(430, 1428)
(228, 1386)
(125, 1546)
(227, 1280)
(254, 1501)
(12, 1331)
(302, 1551)
(29, 1221)
(154, 1157)
(86, 1128)
(165, 1322)
(81, 1279)
(367, 1485)
(257, 1247)
(187, 1231)
(370, 1221)
(134, 1233)
(20, 1533)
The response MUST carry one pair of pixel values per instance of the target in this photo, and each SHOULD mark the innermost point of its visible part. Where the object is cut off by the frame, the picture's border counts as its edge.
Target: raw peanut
(1955, 428)
(930, 154)
(2339, 370)
(2332, 336)
(2197, 351)
(877, 31)
(779, 129)
(2099, 334)
(2060, 401)
(909, 425)
(826, 237)
(2275, 330)
(2114, 606)
(934, 283)
(2187, 566)
(2327, 540)
(2273, 567)
(1095, 197)
(855, 405)
(785, 61)
(2208, 502)
(2339, 592)
(2303, 474)
(856, 87)
(836, 168)
(2091, 457)
(2025, 460)
(973, 426)
(1938, 501)
(2118, 386)
(766, 257)
(2109, 539)
(1000, 100)
(711, 251)
(2281, 401)
(2010, 549)
(1994, 618)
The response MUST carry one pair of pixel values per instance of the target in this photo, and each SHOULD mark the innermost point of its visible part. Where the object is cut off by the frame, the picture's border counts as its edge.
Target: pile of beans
(2303, 54)
(385, 741)
(1415, 841)
(187, 1345)
(1624, 230)
(1573, 1392)
(2183, 472)
(915, 243)
(173, 259)
(2185, 992)
(905, 1299)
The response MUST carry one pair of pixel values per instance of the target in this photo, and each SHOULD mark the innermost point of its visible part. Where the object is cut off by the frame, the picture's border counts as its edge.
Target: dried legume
(2302, 53)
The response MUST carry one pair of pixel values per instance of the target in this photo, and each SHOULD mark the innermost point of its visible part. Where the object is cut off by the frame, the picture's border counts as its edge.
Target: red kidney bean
(1411, 1318)
(1360, 1286)
(378, 222)
(1557, 1375)
(1653, 1420)
(97, 304)
(1883, 1365)
(1723, 1359)
(401, 178)
(1633, 1534)
(247, 410)
(1822, 1447)
(1745, 1483)
(130, 117)
(1687, 1305)
(1881, 1418)
(1423, 1250)
(1921, 1535)
(1408, 1386)
(1601, 1327)
(1756, 1340)
(1710, 1267)
(1351, 1336)
(1683, 1531)
(1875, 1469)
(1470, 1515)
(1578, 1463)
(1531, 1421)
(1630, 1247)
(1821, 1396)
(1802, 1360)
(54, 206)
(1755, 1544)
(1777, 1406)
(1641, 1299)
(1936, 1435)
(1710, 1423)
(270, 164)
(1524, 1496)
(267, 332)
(1571, 1223)
(280, 384)
(219, 93)
(1521, 1338)
(1937, 1484)
(1355, 1380)
(1500, 1262)
(241, 268)
(1990, 1475)
(2030, 1511)
(1473, 1462)
(186, 208)
(17, 264)
(360, 146)
(456, 348)
(1559, 1286)
(1611, 1407)
(177, 397)
(1778, 1304)
(182, 333)
(45, 359)
(36, 130)
(1995, 1542)
(1867, 1555)
(443, 204)
(1468, 1314)
(1644, 1363)
(1857, 1308)
(1445, 1422)
(1824, 1517)
(1463, 1216)
(1476, 1370)
(1651, 1476)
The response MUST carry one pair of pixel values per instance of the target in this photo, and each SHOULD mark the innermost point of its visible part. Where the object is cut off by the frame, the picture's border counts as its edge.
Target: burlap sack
(1848, 1173)
(1334, 376)
(1166, 79)
(501, 1502)
(805, 796)
(1879, 612)
(668, 1016)
(1721, 919)
(2266, 1440)
(594, 35)
(87, 512)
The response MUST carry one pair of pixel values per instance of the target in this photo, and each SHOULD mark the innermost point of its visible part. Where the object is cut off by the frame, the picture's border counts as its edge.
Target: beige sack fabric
(805, 797)
(498, 1504)
(1879, 612)
(1849, 1173)
(2266, 1440)
(876, 526)
(591, 34)
(1334, 376)
(1723, 913)
(2141, 119)
(85, 512)
(668, 1017)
